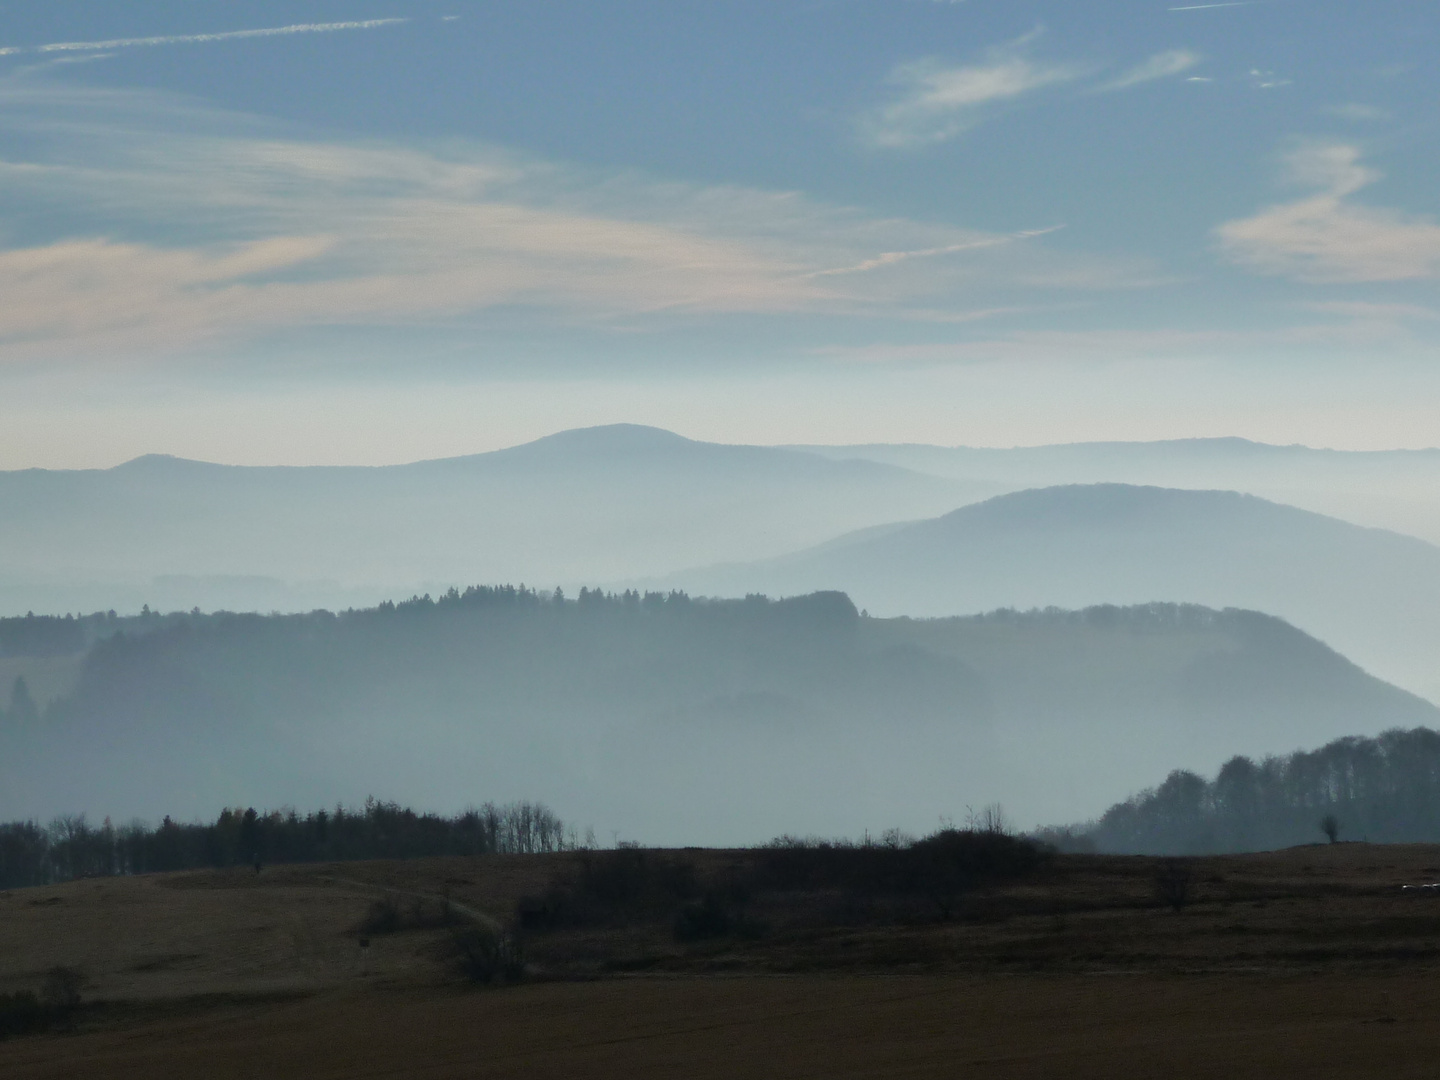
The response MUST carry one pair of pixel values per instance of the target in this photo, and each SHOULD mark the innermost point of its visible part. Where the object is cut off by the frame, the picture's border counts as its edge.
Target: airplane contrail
(190, 39)
(1202, 7)
(889, 258)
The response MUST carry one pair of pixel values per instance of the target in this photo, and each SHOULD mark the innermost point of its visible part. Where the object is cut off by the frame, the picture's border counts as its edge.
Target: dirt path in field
(473, 914)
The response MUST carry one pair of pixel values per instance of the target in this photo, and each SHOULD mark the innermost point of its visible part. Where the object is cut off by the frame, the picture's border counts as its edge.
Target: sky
(373, 231)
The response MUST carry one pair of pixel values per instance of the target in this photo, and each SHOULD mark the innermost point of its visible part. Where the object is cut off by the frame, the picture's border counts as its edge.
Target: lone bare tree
(1330, 826)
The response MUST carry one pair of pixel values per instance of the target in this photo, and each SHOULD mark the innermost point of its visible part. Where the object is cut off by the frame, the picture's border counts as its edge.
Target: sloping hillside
(1370, 594)
(1392, 489)
(594, 504)
(676, 721)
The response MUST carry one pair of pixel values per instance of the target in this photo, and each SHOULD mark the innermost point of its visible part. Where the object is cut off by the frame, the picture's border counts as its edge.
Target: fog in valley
(949, 642)
(1387, 489)
(665, 719)
(777, 538)
(1370, 593)
(577, 508)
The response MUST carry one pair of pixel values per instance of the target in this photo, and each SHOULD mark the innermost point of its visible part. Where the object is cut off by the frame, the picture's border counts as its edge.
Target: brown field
(1307, 961)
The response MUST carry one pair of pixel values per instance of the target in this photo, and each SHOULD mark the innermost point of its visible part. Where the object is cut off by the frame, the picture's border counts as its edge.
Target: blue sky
(380, 231)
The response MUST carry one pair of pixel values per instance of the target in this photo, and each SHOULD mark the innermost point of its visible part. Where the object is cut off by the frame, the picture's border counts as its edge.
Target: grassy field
(1307, 959)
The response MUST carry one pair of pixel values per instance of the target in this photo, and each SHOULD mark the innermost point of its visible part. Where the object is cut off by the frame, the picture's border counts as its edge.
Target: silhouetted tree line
(1385, 789)
(1111, 616)
(34, 635)
(789, 881)
(70, 847)
(66, 635)
(115, 636)
(42, 635)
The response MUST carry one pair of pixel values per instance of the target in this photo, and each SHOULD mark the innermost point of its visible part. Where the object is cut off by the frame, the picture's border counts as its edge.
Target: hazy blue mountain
(1392, 489)
(593, 504)
(671, 720)
(1373, 595)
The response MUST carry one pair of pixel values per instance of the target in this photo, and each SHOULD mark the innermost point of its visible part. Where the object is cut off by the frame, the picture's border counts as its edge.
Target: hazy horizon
(947, 305)
(309, 233)
(838, 443)
(643, 498)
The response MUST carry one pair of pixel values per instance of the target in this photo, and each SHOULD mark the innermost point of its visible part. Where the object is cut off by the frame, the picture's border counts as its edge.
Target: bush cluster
(26, 1012)
(923, 878)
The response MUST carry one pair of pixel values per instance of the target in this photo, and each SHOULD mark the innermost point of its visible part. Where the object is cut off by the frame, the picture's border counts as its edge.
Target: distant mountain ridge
(1393, 489)
(627, 503)
(1370, 593)
(586, 505)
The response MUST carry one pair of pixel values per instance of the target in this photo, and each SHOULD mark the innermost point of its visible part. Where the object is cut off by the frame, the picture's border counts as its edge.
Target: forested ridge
(1384, 789)
(662, 716)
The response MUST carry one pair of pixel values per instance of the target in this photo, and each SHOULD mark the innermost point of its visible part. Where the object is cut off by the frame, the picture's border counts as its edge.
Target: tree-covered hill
(669, 719)
(1384, 789)
(1368, 593)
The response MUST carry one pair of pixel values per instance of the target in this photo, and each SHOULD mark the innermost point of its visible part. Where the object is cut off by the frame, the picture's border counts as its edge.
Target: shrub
(1172, 883)
(941, 866)
(709, 917)
(611, 888)
(489, 956)
(1330, 826)
(383, 916)
(61, 991)
(26, 1013)
(22, 1014)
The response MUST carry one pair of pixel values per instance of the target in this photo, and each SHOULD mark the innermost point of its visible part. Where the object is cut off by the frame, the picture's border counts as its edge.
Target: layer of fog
(1369, 593)
(669, 721)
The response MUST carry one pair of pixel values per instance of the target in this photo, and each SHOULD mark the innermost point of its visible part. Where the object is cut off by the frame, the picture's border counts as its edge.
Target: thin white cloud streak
(1325, 237)
(1207, 7)
(890, 258)
(196, 39)
(1163, 65)
(937, 102)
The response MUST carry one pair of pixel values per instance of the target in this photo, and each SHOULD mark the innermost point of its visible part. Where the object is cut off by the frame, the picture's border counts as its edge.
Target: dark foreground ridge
(995, 954)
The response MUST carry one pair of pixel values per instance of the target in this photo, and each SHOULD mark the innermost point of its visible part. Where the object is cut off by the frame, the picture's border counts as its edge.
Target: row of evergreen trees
(70, 847)
(34, 635)
(1385, 789)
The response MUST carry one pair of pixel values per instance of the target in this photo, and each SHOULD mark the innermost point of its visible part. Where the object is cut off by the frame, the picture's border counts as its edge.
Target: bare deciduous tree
(1330, 826)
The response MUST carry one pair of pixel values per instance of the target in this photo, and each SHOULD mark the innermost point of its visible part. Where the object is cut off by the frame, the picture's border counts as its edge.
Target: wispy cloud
(1326, 237)
(937, 101)
(1160, 66)
(195, 39)
(171, 226)
(891, 258)
(1207, 7)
